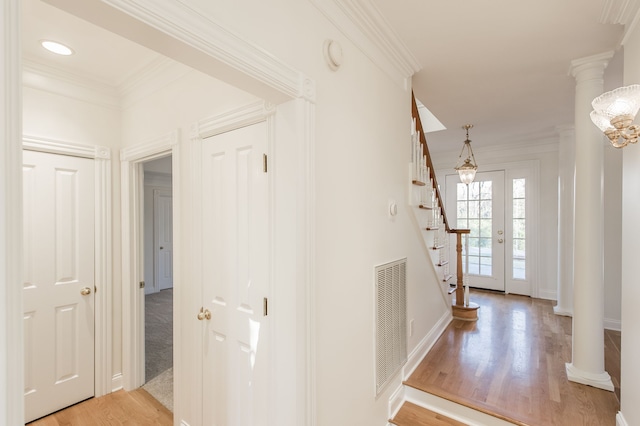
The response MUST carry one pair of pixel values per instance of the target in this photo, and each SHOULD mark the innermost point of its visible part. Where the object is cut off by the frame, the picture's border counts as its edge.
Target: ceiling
(501, 65)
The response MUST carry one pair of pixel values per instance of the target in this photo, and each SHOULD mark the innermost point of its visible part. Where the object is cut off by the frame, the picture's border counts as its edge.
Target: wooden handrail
(432, 174)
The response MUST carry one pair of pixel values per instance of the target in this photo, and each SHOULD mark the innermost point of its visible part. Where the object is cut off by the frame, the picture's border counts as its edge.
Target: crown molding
(619, 11)
(45, 77)
(149, 79)
(176, 29)
(363, 23)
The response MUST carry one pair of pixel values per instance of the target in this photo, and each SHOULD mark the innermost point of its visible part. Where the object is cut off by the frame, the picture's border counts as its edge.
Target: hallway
(511, 364)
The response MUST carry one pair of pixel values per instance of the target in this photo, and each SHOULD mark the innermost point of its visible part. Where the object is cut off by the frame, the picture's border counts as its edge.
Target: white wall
(630, 381)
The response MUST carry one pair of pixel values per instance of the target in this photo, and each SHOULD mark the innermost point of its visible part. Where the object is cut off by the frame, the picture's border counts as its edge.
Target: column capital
(590, 66)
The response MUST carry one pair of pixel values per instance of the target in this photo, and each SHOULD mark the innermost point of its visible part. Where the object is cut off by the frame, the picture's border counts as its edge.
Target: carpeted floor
(159, 346)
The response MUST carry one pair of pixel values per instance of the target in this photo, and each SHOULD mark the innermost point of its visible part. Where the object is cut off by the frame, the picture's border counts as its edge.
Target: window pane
(485, 190)
(486, 268)
(485, 228)
(462, 191)
(518, 188)
(462, 209)
(474, 226)
(519, 271)
(474, 265)
(474, 191)
(473, 209)
(462, 224)
(485, 246)
(518, 228)
(485, 209)
(518, 209)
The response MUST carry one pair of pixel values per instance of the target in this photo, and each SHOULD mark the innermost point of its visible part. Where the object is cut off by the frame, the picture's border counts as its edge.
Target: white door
(58, 281)
(235, 278)
(163, 238)
(480, 208)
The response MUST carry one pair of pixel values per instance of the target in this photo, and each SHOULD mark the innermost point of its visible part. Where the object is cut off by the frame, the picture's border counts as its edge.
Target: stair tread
(413, 415)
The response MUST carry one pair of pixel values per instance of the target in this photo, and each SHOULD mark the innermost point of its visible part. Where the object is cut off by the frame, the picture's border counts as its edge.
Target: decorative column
(587, 364)
(566, 214)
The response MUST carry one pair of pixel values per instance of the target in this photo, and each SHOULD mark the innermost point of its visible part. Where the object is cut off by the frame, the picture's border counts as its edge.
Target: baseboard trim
(612, 324)
(116, 382)
(559, 311)
(396, 400)
(548, 294)
(620, 420)
(426, 344)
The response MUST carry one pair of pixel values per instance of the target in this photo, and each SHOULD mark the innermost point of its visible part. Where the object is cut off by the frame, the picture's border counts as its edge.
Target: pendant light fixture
(467, 170)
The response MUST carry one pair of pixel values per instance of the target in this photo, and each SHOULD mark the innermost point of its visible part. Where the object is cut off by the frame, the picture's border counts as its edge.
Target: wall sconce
(614, 112)
(467, 170)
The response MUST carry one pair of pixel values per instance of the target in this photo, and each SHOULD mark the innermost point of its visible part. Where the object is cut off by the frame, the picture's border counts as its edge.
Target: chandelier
(467, 170)
(614, 112)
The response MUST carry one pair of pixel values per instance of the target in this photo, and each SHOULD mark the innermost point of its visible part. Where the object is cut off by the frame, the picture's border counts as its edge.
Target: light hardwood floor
(136, 408)
(511, 363)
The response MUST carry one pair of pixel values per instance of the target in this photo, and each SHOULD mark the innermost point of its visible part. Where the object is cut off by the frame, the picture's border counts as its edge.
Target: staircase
(428, 208)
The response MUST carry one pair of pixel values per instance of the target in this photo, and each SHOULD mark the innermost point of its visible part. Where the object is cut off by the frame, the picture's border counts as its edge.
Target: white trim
(396, 400)
(102, 254)
(364, 24)
(548, 295)
(422, 349)
(132, 183)
(185, 33)
(157, 179)
(561, 312)
(116, 382)
(599, 380)
(620, 420)
(450, 409)
(613, 324)
(49, 79)
(236, 118)
(11, 319)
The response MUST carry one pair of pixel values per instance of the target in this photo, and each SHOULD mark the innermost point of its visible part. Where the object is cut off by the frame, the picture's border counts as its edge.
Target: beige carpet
(159, 346)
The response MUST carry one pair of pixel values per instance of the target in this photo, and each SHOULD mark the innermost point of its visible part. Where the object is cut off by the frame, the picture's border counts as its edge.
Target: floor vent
(391, 320)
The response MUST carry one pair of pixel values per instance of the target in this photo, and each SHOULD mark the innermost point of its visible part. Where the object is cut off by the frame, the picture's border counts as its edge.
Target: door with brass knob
(204, 314)
(85, 291)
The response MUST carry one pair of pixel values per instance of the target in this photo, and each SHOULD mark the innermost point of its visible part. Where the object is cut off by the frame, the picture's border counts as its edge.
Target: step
(414, 415)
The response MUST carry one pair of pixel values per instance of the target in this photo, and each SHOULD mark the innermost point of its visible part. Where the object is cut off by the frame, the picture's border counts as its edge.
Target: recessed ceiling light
(56, 47)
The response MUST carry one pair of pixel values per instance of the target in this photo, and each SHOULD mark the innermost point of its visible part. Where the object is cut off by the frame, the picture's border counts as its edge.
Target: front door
(235, 256)
(480, 207)
(58, 281)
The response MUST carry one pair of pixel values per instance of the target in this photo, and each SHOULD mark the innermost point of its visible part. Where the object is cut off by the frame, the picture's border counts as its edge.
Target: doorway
(497, 207)
(158, 278)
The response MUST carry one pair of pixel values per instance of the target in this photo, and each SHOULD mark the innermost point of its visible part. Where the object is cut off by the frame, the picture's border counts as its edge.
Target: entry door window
(480, 208)
(519, 270)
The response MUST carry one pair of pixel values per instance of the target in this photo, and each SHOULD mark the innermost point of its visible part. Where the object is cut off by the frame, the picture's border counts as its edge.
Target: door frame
(513, 170)
(132, 204)
(102, 251)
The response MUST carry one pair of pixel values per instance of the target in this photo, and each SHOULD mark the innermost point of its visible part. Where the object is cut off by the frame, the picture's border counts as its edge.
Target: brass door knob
(500, 240)
(204, 314)
(85, 291)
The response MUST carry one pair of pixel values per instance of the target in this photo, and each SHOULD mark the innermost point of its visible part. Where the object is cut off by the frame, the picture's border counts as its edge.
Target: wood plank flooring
(414, 415)
(511, 363)
(136, 408)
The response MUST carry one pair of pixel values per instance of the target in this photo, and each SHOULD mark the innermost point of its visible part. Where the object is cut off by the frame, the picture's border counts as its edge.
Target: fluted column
(566, 214)
(587, 364)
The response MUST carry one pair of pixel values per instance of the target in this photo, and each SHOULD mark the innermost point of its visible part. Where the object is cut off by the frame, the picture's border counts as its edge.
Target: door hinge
(265, 307)
(264, 163)
(141, 284)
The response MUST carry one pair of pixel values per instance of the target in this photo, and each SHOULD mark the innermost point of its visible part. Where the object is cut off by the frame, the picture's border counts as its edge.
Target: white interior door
(480, 208)
(58, 281)
(235, 278)
(163, 238)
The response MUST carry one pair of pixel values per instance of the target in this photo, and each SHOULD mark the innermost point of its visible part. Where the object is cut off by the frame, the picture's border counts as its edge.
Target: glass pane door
(479, 207)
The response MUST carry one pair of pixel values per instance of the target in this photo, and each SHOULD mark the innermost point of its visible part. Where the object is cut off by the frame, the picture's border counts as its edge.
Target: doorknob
(500, 240)
(161, 248)
(85, 291)
(500, 232)
(204, 314)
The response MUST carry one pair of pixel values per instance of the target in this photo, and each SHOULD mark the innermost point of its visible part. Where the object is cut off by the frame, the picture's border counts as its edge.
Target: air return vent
(391, 320)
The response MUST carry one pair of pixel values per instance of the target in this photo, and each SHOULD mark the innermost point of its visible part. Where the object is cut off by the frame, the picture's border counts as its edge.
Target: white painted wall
(630, 382)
